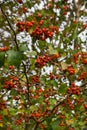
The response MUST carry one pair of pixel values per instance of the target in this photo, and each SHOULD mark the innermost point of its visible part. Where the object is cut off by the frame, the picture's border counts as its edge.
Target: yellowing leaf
(1, 124)
(64, 65)
(51, 50)
(69, 122)
(33, 108)
(5, 112)
(76, 70)
(21, 101)
(21, 111)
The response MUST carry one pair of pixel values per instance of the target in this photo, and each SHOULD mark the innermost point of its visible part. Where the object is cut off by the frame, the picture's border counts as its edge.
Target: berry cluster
(84, 57)
(51, 76)
(24, 25)
(5, 48)
(22, 10)
(42, 60)
(69, 102)
(38, 92)
(1, 117)
(12, 83)
(37, 115)
(42, 33)
(65, 9)
(74, 89)
(2, 105)
(82, 76)
(71, 70)
(11, 67)
(35, 79)
(80, 57)
(75, 58)
(85, 106)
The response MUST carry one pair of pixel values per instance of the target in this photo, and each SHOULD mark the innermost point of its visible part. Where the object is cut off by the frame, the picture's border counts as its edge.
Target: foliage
(43, 65)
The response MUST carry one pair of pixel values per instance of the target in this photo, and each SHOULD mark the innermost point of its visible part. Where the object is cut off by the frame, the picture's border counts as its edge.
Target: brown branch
(15, 39)
(52, 111)
(28, 86)
(7, 19)
(83, 84)
(76, 9)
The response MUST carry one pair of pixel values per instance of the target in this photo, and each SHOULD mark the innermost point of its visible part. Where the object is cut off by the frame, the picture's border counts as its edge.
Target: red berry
(20, 1)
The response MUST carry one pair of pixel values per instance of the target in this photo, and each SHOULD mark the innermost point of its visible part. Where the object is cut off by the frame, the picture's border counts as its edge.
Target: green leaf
(62, 89)
(55, 124)
(13, 112)
(23, 48)
(32, 61)
(74, 35)
(31, 53)
(13, 92)
(5, 112)
(2, 58)
(40, 99)
(33, 108)
(0, 87)
(53, 82)
(49, 128)
(42, 44)
(52, 102)
(6, 119)
(14, 58)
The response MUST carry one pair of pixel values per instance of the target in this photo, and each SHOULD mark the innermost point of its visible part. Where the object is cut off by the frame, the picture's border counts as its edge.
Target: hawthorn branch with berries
(16, 44)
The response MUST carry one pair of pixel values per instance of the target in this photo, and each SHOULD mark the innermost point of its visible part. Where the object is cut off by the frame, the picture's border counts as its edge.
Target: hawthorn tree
(43, 65)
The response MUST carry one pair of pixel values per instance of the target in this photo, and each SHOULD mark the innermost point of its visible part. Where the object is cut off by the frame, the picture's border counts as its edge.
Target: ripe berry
(20, 1)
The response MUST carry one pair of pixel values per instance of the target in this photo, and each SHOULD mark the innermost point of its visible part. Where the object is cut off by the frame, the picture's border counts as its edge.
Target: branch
(52, 111)
(15, 39)
(7, 19)
(76, 8)
(83, 84)
(28, 86)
